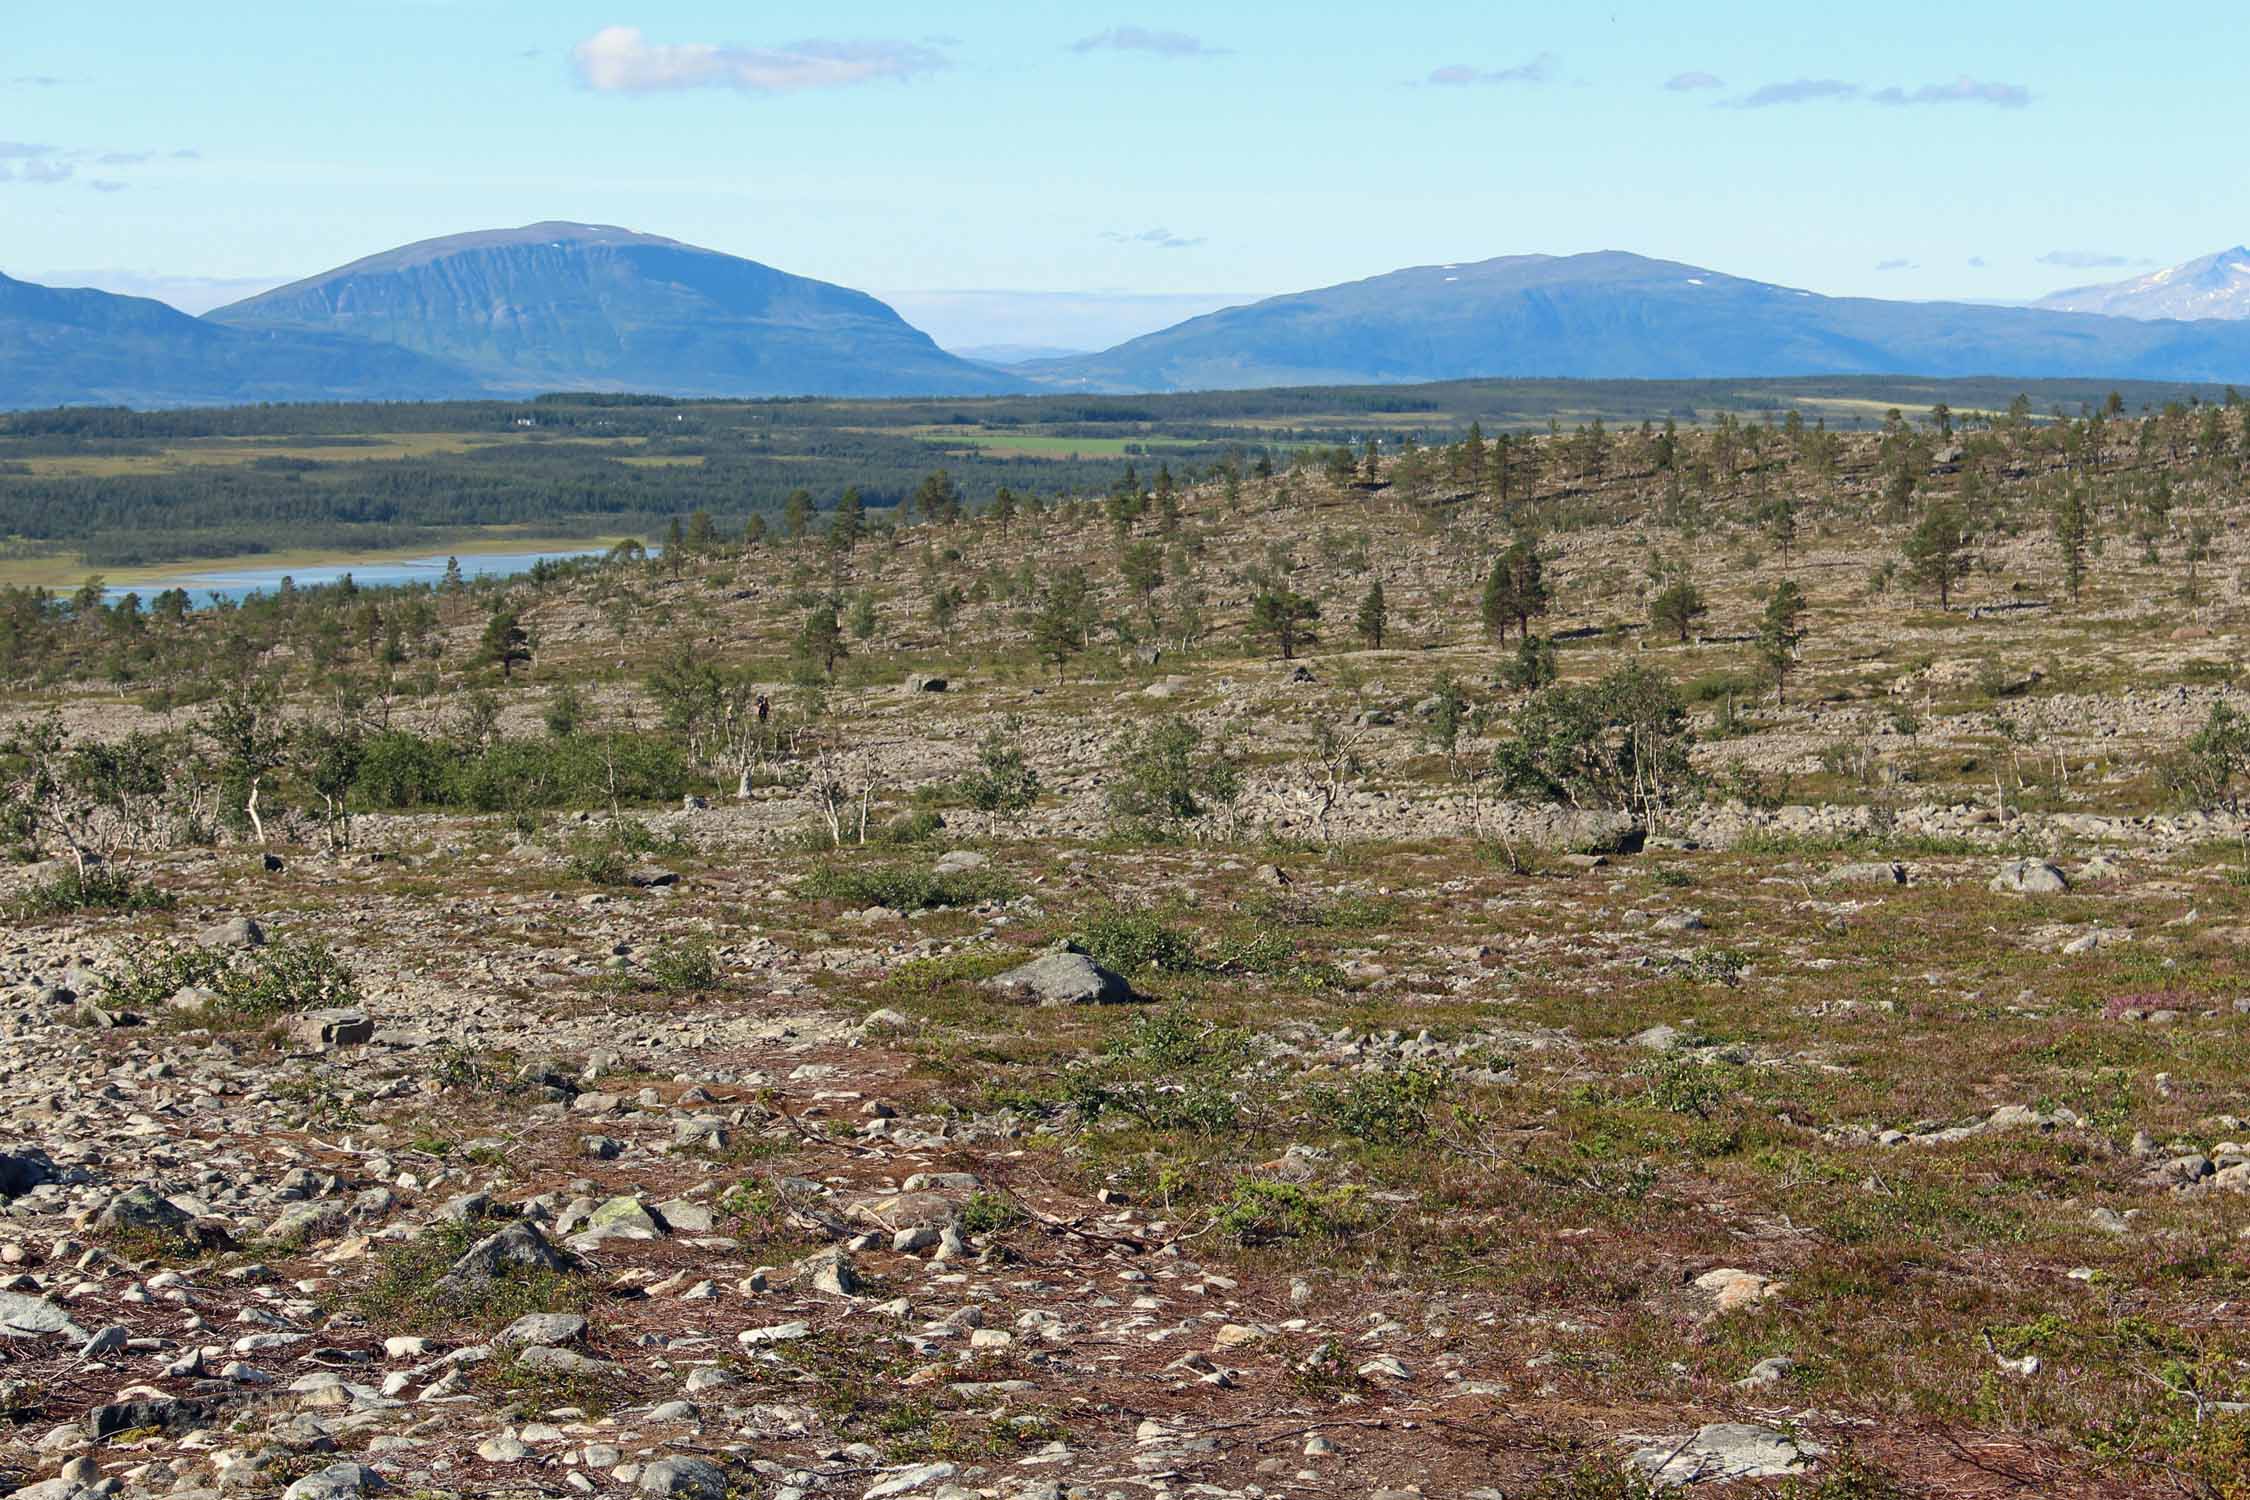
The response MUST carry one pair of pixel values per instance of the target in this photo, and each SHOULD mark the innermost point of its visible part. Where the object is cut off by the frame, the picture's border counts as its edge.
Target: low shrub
(99, 889)
(249, 985)
(1264, 1212)
(902, 887)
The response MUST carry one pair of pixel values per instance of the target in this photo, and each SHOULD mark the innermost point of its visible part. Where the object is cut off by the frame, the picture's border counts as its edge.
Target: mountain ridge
(2210, 286)
(598, 307)
(1617, 315)
(75, 346)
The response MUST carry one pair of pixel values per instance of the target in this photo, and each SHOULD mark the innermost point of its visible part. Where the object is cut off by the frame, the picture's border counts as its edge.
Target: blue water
(239, 583)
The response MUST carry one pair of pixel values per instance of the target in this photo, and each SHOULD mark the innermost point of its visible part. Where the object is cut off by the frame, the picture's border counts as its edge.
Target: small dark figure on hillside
(764, 707)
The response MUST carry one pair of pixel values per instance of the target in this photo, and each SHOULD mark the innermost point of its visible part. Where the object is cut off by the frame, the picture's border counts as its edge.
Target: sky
(1010, 173)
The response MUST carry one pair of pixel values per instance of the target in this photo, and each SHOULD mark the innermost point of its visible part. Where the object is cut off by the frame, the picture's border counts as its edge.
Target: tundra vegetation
(1506, 963)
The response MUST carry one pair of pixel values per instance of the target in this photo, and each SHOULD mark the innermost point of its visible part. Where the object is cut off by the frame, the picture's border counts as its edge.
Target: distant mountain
(80, 347)
(1016, 354)
(2215, 286)
(1615, 316)
(591, 307)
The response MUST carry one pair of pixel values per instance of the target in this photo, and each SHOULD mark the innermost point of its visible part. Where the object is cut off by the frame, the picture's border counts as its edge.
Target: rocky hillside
(1054, 1053)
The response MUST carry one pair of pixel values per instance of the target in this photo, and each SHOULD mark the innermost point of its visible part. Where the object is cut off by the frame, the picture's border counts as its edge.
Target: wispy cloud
(2088, 260)
(1144, 39)
(1797, 91)
(1962, 90)
(620, 59)
(1894, 265)
(32, 81)
(1977, 262)
(1540, 69)
(29, 161)
(39, 163)
(1162, 239)
(1689, 82)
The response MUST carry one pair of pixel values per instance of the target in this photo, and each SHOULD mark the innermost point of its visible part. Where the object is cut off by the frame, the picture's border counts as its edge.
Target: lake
(239, 583)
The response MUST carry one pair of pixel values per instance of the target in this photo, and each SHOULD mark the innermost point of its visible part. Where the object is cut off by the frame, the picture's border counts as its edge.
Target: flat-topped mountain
(594, 307)
(1612, 315)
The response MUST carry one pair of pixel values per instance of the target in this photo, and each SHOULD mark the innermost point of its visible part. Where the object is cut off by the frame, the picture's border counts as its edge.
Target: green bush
(1621, 742)
(902, 887)
(1002, 782)
(1385, 1109)
(400, 770)
(1134, 940)
(682, 967)
(251, 984)
(1169, 1071)
(99, 889)
(1166, 777)
(1262, 1212)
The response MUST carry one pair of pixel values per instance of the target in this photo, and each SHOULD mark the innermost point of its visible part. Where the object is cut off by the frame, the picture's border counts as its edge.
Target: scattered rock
(1067, 978)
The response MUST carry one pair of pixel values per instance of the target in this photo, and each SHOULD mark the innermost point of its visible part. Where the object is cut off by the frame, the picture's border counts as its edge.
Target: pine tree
(452, 583)
(1284, 615)
(675, 546)
(1370, 468)
(820, 640)
(1780, 629)
(1678, 608)
(505, 641)
(1515, 591)
(1142, 567)
(796, 513)
(1058, 624)
(1473, 457)
(849, 523)
(1374, 616)
(2074, 532)
(1936, 554)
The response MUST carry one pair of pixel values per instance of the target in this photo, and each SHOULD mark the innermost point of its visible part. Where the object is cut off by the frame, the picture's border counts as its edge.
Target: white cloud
(1142, 39)
(2087, 260)
(1162, 239)
(1962, 90)
(1683, 83)
(1461, 75)
(619, 59)
(1798, 91)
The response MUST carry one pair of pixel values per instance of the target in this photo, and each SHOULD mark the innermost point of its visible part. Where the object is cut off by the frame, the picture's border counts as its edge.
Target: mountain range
(2210, 286)
(557, 306)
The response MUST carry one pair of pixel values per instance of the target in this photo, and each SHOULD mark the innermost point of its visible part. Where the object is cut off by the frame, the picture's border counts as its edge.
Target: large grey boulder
(143, 1210)
(520, 1246)
(336, 1482)
(544, 1329)
(1066, 978)
(337, 1027)
(684, 1479)
(2030, 877)
(1877, 872)
(1727, 1450)
(23, 1316)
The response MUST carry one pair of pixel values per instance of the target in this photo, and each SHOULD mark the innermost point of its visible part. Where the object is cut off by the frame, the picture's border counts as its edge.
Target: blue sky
(1147, 160)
